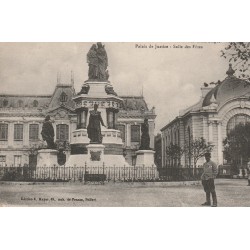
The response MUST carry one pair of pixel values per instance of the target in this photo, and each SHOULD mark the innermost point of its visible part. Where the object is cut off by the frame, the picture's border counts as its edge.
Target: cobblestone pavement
(231, 193)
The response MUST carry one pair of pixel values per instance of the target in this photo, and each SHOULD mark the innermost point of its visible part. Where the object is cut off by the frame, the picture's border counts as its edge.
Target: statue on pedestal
(48, 133)
(94, 126)
(145, 139)
(98, 63)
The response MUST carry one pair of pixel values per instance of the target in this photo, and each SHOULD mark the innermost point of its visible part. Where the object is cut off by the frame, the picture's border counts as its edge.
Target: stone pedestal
(47, 158)
(95, 153)
(145, 158)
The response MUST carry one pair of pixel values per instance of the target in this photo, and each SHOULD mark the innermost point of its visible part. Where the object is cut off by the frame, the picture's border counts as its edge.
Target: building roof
(228, 89)
(37, 102)
(134, 103)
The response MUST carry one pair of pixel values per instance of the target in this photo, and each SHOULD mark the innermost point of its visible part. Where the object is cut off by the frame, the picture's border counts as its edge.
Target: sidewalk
(231, 193)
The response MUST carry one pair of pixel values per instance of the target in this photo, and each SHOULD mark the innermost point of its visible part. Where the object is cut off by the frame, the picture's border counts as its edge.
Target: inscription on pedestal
(95, 155)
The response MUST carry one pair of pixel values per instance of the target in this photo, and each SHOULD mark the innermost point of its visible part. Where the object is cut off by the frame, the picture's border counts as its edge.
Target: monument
(96, 141)
(47, 157)
(145, 156)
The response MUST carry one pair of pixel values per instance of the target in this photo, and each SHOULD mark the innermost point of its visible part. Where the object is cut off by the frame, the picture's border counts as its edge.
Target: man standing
(210, 172)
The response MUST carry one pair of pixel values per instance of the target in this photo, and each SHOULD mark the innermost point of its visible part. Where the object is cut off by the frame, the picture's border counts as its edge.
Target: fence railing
(98, 174)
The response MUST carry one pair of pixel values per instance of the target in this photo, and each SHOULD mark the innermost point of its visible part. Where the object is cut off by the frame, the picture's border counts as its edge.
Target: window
(122, 130)
(135, 133)
(33, 131)
(5, 103)
(35, 103)
(237, 119)
(2, 160)
(17, 160)
(62, 132)
(18, 132)
(63, 97)
(20, 103)
(3, 132)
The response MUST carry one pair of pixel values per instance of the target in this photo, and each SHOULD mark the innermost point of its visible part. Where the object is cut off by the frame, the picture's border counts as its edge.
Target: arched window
(35, 103)
(5, 103)
(237, 119)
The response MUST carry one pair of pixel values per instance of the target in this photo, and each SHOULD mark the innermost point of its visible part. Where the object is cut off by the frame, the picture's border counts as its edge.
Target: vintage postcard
(124, 124)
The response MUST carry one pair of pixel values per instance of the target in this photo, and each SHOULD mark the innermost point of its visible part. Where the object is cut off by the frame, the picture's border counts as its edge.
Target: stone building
(221, 107)
(22, 116)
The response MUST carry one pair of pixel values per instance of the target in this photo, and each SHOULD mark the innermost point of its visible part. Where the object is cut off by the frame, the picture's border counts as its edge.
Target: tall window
(135, 133)
(2, 160)
(20, 103)
(237, 119)
(3, 132)
(35, 103)
(17, 160)
(62, 132)
(122, 130)
(33, 131)
(18, 132)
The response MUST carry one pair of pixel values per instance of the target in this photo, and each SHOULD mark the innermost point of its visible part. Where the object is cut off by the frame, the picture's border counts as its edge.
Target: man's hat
(208, 154)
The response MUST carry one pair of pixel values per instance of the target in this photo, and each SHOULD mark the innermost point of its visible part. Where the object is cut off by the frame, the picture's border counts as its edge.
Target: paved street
(231, 193)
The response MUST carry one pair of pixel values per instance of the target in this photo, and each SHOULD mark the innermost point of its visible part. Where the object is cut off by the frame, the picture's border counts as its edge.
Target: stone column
(220, 147)
(128, 128)
(11, 134)
(204, 132)
(163, 146)
(210, 131)
(110, 118)
(83, 117)
(26, 134)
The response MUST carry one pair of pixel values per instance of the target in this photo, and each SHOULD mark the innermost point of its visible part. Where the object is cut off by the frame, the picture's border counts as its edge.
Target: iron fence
(98, 174)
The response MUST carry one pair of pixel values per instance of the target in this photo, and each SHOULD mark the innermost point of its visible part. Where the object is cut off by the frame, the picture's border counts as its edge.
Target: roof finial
(72, 78)
(58, 77)
(230, 71)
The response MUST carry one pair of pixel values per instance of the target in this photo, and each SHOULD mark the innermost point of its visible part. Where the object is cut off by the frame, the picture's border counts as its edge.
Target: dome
(228, 89)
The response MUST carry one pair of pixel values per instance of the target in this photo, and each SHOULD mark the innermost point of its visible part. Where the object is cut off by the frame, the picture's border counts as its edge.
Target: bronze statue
(48, 133)
(94, 126)
(145, 139)
(98, 63)
(92, 60)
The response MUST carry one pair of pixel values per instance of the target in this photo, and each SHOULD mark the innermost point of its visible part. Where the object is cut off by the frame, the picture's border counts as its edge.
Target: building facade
(22, 116)
(221, 107)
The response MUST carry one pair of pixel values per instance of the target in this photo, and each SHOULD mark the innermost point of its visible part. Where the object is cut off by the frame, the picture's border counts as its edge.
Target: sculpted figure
(145, 139)
(94, 126)
(92, 60)
(48, 133)
(102, 62)
(97, 60)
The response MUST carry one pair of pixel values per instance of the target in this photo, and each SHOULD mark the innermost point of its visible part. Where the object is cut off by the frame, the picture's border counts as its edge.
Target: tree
(174, 152)
(239, 54)
(197, 149)
(237, 144)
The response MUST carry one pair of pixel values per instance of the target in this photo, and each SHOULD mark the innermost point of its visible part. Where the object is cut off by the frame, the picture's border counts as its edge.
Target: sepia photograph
(125, 124)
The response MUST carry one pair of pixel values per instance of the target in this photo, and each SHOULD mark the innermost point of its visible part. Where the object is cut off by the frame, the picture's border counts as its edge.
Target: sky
(169, 78)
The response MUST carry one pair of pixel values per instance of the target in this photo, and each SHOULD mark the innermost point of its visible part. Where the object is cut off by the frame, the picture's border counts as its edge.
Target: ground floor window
(17, 160)
(135, 133)
(3, 132)
(122, 130)
(2, 160)
(18, 132)
(33, 131)
(62, 132)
